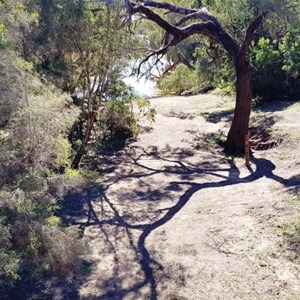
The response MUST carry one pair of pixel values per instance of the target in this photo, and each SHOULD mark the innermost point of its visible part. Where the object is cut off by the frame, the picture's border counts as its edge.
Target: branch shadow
(124, 225)
(293, 184)
(275, 106)
(218, 116)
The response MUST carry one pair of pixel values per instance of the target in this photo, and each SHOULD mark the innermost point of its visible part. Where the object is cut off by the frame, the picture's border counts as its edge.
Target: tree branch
(168, 6)
(161, 52)
(172, 66)
(135, 8)
(208, 26)
(216, 32)
(250, 34)
(202, 14)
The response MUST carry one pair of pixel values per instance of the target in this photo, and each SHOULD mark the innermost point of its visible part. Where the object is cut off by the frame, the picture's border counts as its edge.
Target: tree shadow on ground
(123, 219)
(262, 136)
(274, 106)
(218, 116)
(180, 115)
(293, 184)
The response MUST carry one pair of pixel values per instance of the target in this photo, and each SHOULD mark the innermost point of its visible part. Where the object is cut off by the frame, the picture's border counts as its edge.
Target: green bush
(121, 117)
(34, 118)
(268, 77)
(180, 80)
(291, 228)
(276, 68)
(31, 241)
(9, 259)
(290, 47)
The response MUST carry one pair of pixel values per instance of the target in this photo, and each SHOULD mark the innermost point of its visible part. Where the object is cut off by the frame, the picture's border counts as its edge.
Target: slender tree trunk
(240, 124)
(87, 135)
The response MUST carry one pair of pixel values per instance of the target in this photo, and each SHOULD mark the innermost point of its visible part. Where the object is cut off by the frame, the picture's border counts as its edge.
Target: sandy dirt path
(174, 219)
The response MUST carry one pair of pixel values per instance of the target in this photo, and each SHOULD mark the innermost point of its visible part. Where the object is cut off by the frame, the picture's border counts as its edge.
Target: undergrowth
(291, 228)
(211, 141)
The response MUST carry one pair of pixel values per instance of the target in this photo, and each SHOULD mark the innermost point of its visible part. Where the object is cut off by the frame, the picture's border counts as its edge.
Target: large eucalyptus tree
(200, 21)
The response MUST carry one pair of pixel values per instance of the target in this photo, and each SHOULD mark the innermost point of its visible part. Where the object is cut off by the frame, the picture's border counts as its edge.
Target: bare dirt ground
(174, 219)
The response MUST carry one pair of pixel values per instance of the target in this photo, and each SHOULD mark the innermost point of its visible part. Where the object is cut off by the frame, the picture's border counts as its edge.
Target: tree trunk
(240, 124)
(89, 126)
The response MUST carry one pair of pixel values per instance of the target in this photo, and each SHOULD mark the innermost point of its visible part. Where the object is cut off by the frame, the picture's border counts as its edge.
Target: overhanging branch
(167, 6)
(135, 8)
(202, 14)
(208, 25)
(158, 53)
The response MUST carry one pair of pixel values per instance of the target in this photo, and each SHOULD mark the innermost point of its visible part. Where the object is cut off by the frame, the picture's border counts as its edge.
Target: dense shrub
(32, 243)
(35, 118)
(121, 118)
(212, 70)
(180, 80)
(276, 68)
(290, 47)
(269, 79)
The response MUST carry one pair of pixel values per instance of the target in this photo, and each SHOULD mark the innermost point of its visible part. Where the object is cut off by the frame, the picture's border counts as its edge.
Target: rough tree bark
(208, 25)
(240, 122)
(79, 154)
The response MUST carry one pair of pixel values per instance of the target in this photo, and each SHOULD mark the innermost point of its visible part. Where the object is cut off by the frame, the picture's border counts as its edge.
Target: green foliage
(41, 125)
(79, 40)
(180, 80)
(291, 228)
(35, 129)
(211, 141)
(81, 48)
(268, 77)
(53, 221)
(9, 260)
(215, 68)
(15, 23)
(34, 119)
(121, 117)
(72, 173)
(275, 59)
(290, 47)
(84, 48)
(235, 16)
(276, 65)
(83, 174)
(275, 72)
(264, 53)
(31, 241)
(4, 41)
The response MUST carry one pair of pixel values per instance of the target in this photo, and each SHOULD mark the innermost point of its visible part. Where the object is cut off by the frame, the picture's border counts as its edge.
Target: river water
(143, 87)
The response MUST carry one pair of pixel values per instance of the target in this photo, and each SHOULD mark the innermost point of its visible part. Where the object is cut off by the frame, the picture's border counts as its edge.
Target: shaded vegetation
(291, 230)
(63, 103)
(50, 53)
